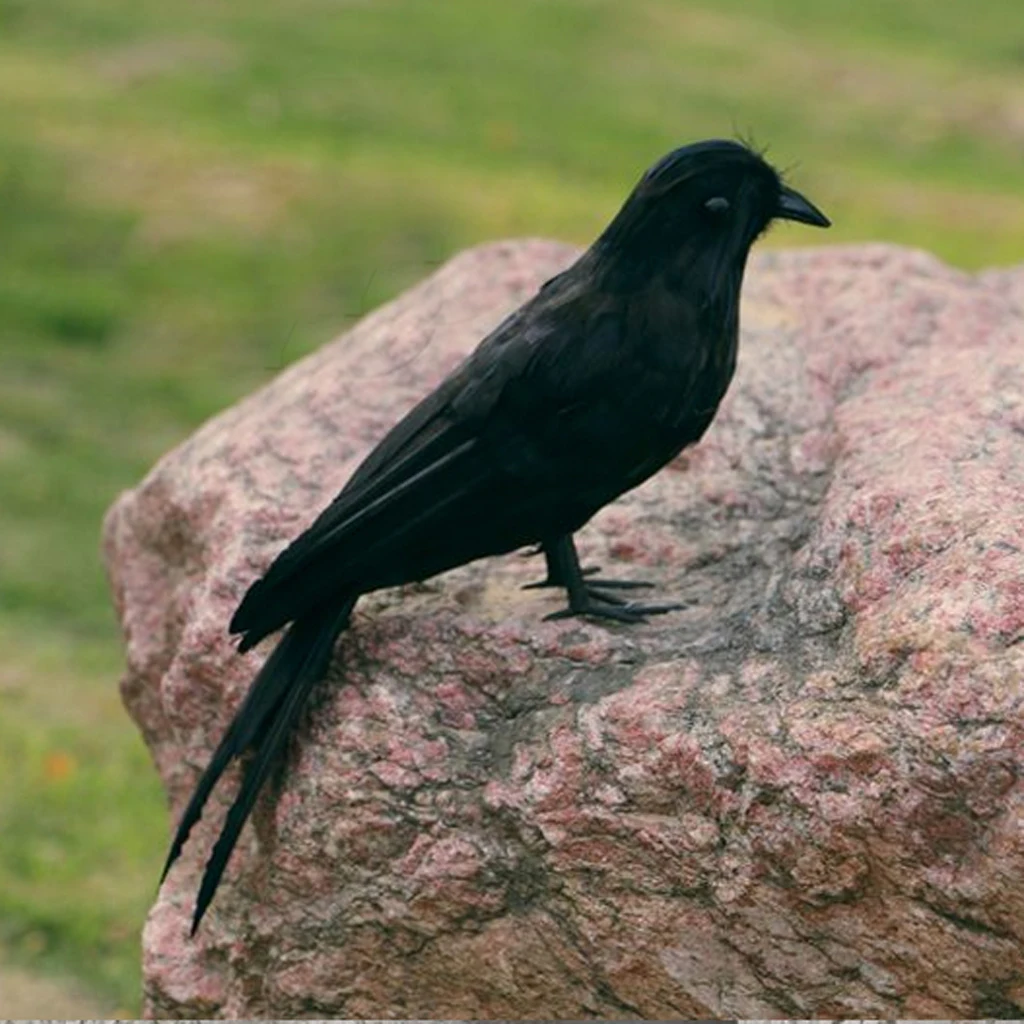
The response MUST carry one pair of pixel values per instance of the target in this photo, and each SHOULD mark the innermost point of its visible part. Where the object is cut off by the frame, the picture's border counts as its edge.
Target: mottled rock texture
(799, 797)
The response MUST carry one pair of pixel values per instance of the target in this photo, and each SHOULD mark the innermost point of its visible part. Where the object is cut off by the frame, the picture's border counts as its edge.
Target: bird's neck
(709, 276)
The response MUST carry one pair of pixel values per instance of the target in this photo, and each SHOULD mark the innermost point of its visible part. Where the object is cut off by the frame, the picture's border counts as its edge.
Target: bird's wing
(433, 413)
(438, 458)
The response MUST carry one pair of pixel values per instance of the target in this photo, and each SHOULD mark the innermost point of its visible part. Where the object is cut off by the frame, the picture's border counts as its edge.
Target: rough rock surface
(799, 797)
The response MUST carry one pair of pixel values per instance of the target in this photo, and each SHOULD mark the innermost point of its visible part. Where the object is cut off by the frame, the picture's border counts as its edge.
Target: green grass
(193, 194)
(81, 811)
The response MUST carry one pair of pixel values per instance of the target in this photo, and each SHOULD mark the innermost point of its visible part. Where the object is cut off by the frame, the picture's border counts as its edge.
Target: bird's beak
(793, 206)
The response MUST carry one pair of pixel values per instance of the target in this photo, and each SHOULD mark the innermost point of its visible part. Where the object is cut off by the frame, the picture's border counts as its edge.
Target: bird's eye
(717, 204)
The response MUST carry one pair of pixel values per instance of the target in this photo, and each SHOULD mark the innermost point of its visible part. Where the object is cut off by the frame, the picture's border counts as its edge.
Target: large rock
(800, 797)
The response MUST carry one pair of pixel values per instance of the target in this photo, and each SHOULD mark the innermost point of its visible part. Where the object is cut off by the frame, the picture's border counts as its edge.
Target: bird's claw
(589, 571)
(620, 584)
(599, 605)
(540, 584)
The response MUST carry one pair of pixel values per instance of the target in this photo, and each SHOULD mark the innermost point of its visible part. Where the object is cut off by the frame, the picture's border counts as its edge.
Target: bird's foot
(594, 603)
(591, 596)
(550, 581)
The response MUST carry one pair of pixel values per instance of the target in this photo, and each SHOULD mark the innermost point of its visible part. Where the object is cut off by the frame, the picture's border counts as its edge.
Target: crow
(581, 394)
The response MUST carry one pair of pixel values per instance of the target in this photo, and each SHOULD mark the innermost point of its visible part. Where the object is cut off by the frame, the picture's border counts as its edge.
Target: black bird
(585, 391)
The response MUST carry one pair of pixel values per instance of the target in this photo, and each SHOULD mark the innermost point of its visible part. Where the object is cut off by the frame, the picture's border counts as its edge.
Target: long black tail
(263, 723)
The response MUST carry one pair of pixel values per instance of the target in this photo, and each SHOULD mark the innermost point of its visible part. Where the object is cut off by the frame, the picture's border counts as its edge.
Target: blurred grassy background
(193, 194)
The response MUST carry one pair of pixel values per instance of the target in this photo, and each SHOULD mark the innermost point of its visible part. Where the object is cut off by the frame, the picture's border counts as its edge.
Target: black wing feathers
(421, 467)
(333, 555)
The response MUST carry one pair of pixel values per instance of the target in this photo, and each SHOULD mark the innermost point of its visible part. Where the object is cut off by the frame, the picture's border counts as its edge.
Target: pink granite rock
(801, 797)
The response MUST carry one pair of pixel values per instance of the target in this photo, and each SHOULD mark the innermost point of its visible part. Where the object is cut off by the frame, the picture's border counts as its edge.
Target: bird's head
(696, 213)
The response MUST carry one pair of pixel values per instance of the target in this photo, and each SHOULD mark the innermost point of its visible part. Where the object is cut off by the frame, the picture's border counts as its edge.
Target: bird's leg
(559, 563)
(587, 597)
(554, 557)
